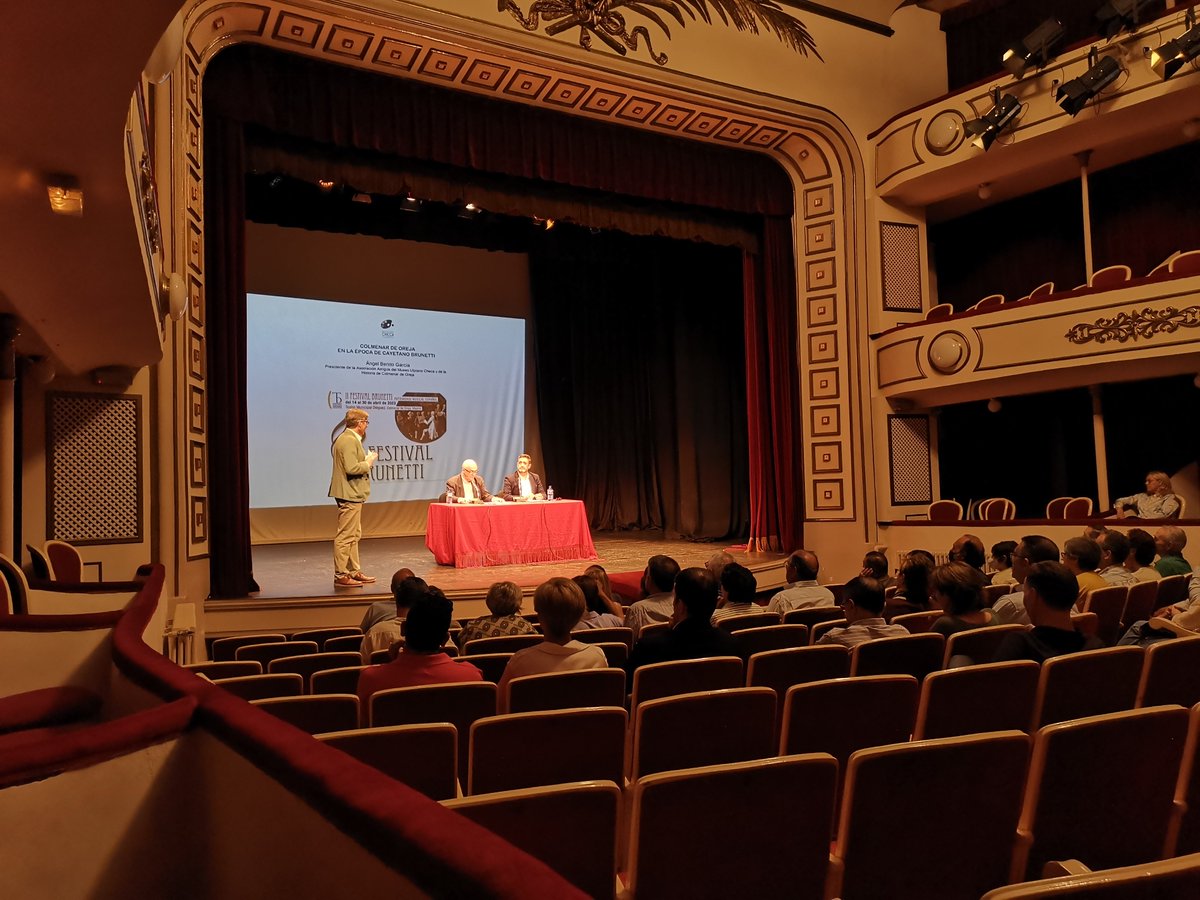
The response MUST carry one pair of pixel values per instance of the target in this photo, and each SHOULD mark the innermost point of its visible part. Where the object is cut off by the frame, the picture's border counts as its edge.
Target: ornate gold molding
(1133, 326)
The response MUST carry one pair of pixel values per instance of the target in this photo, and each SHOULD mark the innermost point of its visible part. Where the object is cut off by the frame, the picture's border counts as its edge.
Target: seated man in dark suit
(1050, 591)
(523, 484)
(467, 486)
(692, 635)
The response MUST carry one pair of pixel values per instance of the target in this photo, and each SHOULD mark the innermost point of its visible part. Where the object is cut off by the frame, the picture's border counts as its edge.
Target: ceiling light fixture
(65, 200)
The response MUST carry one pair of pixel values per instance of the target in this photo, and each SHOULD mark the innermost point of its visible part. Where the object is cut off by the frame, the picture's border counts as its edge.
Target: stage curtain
(776, 486)
(640, 382)
(230, 563)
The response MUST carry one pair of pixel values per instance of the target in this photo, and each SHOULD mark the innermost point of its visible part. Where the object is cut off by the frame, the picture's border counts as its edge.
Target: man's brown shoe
(363, 578)
(347, 581)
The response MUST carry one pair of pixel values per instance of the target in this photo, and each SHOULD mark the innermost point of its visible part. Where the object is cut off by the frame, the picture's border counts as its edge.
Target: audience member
(1140, 561)
(596, 613)
(504, 600)
(382, 635)
(957, 588)
(875, 565)
(1156, 503)
(422, 660)
(1082, 556)
(801, 572)
(657, 582)
(1002, 562)
(382, 610)
(1050, 592)
(862, 605)
(1183, 618)
(559, 604)
(1033, 548)
(692, 634)
(1169, 541)
(912, 591)
(606, 590)
(1114, 550)
(738, 587)
(968, 549)
(717, 563)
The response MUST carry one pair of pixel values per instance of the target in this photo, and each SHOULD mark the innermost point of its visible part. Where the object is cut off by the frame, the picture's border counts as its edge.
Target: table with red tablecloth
(468, 535)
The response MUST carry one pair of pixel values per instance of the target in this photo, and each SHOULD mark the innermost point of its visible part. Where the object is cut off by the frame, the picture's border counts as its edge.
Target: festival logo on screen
(421, 417)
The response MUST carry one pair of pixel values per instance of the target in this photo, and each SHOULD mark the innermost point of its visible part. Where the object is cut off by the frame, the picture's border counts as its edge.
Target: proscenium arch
(814, 147)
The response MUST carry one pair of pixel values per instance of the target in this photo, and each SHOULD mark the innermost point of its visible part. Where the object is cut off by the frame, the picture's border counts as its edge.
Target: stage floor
(305, 571)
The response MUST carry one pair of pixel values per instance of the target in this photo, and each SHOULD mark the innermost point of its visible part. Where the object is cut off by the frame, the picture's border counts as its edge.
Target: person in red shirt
(422, 660)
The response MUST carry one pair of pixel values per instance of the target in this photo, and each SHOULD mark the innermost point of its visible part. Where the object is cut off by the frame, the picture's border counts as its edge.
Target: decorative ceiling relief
(1130, 326)
(600, 18)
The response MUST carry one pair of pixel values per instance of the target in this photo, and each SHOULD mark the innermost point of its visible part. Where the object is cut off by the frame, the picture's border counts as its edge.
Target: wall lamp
(1034, 49)
(988, 127)
(1174, 54)
(1075, 94)
(1116, 16)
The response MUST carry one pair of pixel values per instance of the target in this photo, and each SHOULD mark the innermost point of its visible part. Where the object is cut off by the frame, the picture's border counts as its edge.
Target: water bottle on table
(550, 492)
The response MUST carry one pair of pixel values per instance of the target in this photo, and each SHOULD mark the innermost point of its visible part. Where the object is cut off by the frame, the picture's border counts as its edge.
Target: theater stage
(297, 589)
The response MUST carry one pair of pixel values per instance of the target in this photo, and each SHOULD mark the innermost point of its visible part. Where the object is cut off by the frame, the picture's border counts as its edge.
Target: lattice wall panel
(908, 446)
(900, 253)
(94, 469)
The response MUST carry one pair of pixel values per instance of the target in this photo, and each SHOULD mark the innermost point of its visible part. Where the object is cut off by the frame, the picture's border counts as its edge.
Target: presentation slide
(439, 387)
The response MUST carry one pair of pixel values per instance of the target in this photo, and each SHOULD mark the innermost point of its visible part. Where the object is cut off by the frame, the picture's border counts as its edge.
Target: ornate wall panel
(910, 460)
(94, 468)
(900, 265)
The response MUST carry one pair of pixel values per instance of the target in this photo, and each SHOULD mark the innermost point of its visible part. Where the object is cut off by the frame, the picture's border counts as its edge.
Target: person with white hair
(1158, 502)
(467, 486)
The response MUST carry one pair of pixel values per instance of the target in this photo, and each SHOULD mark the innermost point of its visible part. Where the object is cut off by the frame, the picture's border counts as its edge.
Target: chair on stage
(422, 756)
(975, 699)
(787, 858)
(945, 511)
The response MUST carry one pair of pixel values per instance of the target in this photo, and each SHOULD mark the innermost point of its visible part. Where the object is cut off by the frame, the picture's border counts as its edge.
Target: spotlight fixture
(987, 128)
(1171, 56)
(66, 197)
(1075, 94)
(1034, 49)
(1116, 16)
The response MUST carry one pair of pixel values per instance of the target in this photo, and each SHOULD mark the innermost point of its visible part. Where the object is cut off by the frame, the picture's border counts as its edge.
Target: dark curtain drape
(640, 381)
(230, 563)
(298, 102)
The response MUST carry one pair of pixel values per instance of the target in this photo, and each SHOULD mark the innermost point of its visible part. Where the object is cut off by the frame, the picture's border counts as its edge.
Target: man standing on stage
(350, 487)
(523, 484)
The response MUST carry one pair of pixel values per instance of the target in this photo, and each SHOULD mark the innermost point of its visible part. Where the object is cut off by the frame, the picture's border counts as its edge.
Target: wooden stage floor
(305, 571)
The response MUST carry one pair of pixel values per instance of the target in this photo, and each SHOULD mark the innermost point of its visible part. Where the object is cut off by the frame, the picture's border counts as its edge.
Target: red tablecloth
(493, 534)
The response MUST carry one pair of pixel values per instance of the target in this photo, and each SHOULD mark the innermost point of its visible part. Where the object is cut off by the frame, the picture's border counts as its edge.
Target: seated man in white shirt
(863, 608)
(801, 572)
(658, 581)
(1114, 549)
(385, 632)
(1034, 548)
(738, 587)
(523, 485)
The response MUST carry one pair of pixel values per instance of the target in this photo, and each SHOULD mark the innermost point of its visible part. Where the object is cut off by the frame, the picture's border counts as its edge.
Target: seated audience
(875, 565)
(1140, 561)
(504, 600)
(1169, 541)
(657, 581)
(801, 572)
(1050, 591)
(1033, 548)
(597, 613)
(912, 591)
(421, 661)
(606, 590)
(692, 634)
(968, 549)
(559, 604)
(957, 588)
(382, 610)
(1082, 556)
(862, 604)
(717, 563)
(738, 587)
(1114, 550)
(1002, 562)
(1156, 503)
(382, 635)
(1181, 619)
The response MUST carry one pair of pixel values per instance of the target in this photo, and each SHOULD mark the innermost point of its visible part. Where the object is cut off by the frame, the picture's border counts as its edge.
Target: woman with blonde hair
(1156, 503)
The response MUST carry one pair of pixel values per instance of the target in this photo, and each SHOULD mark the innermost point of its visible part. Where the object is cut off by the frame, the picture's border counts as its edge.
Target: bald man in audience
(1082, 557)
(1170, 541)
(1114, 549)
(862, 606)
(1050, 591)
(969, 549)
(801, 572)
(659, 604)
(1034, 548)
